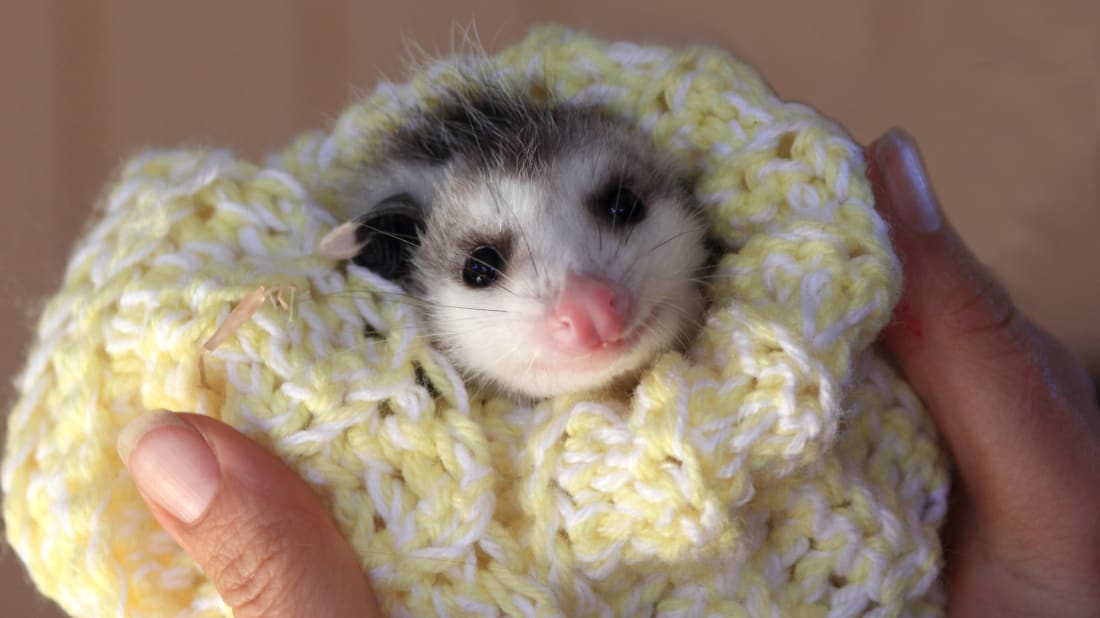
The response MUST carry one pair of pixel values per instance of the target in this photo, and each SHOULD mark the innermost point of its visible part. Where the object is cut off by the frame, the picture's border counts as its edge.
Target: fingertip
(132, 433)
(251, 524)
(171, 463)
(902, 176)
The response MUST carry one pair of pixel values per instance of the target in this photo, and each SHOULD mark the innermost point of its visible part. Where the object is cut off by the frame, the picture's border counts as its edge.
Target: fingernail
(171, 463)
(911, 197)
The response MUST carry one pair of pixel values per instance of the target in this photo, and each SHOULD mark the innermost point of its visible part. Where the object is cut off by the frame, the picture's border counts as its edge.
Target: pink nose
(590, 313)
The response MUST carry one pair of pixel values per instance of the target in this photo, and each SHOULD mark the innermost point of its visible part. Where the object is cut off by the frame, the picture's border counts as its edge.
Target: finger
(249, 522)
(1005, 395)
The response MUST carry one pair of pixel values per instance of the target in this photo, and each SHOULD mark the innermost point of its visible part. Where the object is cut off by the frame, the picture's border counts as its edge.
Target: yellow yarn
(777, 468)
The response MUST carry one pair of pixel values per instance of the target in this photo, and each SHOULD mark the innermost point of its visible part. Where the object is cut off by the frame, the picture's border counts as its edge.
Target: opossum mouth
(609, 352)
(639, 328)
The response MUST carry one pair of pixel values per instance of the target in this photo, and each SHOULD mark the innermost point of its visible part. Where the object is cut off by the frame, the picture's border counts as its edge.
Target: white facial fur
(498, 333)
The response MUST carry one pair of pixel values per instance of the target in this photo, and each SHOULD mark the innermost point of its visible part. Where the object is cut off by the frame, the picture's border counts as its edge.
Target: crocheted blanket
(778, 467)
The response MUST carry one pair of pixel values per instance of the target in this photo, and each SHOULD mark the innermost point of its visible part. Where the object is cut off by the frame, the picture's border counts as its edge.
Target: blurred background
(1003, 96)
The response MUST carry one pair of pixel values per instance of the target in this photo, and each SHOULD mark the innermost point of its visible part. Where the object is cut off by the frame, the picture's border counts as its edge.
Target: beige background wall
(1003, 96)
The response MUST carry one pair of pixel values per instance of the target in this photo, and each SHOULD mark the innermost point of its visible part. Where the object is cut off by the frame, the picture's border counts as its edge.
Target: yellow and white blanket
(778, 468)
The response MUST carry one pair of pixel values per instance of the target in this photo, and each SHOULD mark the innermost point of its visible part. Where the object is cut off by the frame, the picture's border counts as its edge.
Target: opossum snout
(590, 313)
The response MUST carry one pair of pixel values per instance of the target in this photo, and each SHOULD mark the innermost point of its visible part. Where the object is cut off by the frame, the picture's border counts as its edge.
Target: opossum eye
(483, 266)
(618, 205)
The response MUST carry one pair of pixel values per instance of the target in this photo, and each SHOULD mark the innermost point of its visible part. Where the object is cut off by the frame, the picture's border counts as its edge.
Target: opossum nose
(590, 313)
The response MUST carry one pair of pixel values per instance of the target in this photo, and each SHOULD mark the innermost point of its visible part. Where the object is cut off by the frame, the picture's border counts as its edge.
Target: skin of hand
(1017, 412)
(250, 523)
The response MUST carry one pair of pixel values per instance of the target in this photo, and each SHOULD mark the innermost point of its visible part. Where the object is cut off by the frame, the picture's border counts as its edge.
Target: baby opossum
(549, 246)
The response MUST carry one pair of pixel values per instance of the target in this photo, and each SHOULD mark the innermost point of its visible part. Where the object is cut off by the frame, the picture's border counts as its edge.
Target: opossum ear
(381, 240)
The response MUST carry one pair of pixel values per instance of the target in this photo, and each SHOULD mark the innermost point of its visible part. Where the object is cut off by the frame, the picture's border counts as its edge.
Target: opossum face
(555, 250)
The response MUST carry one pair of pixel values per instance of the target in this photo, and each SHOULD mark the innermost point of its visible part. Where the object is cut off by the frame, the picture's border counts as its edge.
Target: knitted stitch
(777, 468)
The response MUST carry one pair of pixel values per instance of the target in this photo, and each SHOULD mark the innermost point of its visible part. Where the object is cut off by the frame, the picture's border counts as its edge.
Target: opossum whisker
(527, 244)
(474, 317)
(442, 333)
(532, 359)
(494, 194)
(618, 194)
(519, 343)
(687, 316)
(494, 191)
(650, 252)
(710, 282)
(599, 228)
(412, 300)
(401, 237)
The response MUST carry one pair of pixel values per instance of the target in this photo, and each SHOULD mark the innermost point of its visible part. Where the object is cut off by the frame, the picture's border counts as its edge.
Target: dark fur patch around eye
(618, 205)
(389, 233)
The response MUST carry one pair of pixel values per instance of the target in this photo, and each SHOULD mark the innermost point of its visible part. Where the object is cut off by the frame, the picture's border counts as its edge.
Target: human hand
(1017, 410)
(250, 523)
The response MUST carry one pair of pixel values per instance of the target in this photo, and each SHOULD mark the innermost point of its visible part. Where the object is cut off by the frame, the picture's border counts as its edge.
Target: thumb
(249, 522)
(1002, 391)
